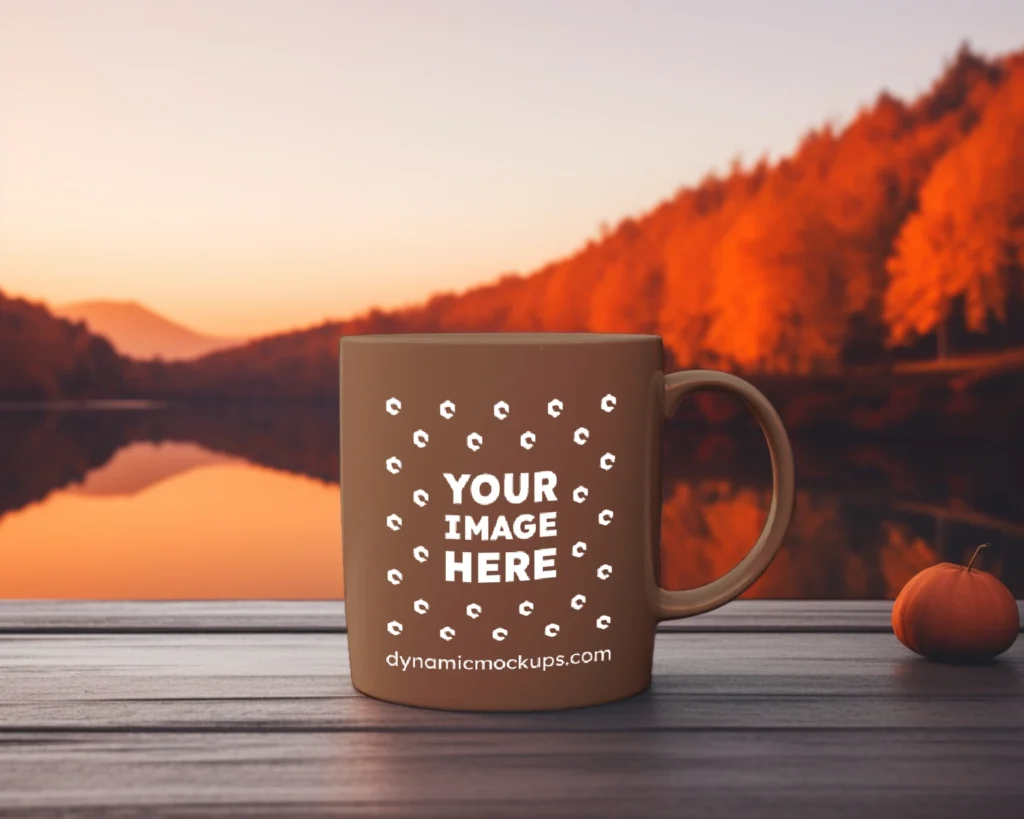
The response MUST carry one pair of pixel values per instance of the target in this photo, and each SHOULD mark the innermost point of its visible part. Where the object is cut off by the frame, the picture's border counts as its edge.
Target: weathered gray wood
(204, 682)
(293, 617)
(225, 725)
(236, 715)
(154, 617)
(160, 617)
(785, 774)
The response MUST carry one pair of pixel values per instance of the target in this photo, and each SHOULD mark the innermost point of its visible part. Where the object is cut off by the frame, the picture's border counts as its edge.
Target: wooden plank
(226, 725)
(769, 775)
(170, 617)
(312, 617)
(259, 683)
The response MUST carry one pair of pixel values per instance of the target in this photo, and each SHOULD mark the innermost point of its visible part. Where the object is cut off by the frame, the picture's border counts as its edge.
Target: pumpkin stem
(975, 555)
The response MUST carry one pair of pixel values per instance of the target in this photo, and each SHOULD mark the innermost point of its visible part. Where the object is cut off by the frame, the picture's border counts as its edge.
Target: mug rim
(524, 338)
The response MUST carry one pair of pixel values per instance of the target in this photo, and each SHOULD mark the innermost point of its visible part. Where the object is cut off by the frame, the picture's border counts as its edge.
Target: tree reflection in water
(870, 513)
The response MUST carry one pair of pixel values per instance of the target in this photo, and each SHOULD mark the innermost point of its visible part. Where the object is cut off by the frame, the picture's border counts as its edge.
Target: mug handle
(672, 605)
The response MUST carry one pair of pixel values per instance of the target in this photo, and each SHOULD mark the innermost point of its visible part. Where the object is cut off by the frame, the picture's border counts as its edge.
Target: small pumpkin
(956, 614)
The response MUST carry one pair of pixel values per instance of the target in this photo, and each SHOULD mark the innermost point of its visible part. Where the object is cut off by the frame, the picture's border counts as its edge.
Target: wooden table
(766, 709)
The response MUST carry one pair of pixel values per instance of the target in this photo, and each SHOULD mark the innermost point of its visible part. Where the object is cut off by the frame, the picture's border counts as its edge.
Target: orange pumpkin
(956, 613)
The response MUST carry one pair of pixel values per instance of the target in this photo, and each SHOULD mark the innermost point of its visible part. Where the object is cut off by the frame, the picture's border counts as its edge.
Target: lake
(166, 503)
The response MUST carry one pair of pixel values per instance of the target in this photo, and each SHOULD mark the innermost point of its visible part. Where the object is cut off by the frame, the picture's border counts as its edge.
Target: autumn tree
(966, 241)
(787, 266)
(626, 297)
(700, 218)
(800, 277)
(43, 357)
(778, 299)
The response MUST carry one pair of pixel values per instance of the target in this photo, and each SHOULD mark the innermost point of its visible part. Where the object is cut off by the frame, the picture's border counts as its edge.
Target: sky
(251, 166)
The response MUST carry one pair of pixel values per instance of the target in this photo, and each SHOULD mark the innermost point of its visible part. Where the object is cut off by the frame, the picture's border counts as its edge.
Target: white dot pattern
(474, 442)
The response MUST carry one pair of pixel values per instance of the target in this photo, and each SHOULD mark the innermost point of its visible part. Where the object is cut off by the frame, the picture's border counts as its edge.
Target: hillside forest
(896, 238)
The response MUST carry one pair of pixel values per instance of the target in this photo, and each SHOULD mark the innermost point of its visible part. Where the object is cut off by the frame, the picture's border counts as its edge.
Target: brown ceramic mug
(501, 509)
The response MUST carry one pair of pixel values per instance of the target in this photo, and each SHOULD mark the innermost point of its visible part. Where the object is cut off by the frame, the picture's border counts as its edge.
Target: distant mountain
(898, 236)
(138, 332)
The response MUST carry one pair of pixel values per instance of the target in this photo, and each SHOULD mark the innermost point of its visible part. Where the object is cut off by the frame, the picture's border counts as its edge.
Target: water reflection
(243, 504)
(139, 466)
(173, 521)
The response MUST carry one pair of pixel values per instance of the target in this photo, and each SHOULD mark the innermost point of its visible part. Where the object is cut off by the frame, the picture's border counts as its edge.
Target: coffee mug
(501, 510)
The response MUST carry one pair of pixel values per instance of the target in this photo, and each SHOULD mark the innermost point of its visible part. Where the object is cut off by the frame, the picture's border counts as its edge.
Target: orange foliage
(772, 305)
(903, 557)
(779, 268)
(709, 526)
(967, 239)
(688, 260)
(773, 269)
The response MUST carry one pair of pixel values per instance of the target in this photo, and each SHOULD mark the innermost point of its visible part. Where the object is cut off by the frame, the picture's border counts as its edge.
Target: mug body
(500, 511)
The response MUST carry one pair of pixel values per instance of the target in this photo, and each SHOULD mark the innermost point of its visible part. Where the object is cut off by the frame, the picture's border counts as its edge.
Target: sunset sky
(245, 167)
